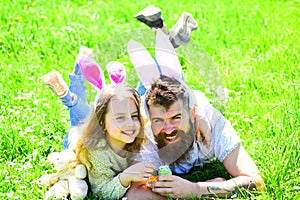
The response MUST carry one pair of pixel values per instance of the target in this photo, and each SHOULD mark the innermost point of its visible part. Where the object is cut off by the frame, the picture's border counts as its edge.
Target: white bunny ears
(166, 61)
(144, 64)
(166, 56)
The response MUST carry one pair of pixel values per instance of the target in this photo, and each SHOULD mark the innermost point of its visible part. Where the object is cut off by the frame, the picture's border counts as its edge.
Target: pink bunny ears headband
(92, 72)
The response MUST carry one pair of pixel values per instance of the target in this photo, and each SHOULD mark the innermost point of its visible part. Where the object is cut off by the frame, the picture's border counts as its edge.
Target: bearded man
(173, 128)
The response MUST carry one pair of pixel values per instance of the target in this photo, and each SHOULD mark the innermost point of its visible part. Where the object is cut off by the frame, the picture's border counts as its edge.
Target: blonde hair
(94, 130)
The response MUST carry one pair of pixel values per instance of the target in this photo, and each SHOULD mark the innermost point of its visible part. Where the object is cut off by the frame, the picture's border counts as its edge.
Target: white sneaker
(151, 16)
(180, 34)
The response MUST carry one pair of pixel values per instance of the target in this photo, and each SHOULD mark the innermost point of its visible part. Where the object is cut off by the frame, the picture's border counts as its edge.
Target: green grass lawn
(251, 47)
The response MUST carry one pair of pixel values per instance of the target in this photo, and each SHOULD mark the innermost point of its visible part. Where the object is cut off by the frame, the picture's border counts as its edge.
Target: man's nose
(168, 128)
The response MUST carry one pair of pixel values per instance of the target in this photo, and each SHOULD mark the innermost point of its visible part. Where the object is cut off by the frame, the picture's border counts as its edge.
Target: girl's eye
(119, 118)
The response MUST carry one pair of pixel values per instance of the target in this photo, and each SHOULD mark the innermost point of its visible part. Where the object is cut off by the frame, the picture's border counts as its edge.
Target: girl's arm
(106, 182)
(103, 180)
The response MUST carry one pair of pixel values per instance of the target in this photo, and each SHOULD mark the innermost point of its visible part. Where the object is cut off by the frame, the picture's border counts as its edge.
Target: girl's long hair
(93, 131)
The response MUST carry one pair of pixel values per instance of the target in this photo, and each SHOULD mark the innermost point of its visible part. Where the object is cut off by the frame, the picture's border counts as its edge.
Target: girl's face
(122, 122)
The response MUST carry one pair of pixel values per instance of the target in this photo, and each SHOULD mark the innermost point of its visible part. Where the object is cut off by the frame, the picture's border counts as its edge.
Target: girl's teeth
(129, 132)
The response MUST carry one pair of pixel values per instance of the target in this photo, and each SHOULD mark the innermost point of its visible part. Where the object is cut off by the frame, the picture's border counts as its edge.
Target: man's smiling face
(172, 129)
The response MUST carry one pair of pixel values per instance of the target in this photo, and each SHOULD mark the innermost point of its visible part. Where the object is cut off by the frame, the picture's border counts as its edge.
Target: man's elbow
(139, 191)
(259, 182)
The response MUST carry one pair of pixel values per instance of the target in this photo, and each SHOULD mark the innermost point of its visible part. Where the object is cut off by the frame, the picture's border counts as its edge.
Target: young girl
(111, 138)
(110, 135)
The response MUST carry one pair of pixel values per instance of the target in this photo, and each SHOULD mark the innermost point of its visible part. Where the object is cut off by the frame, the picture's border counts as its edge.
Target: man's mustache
(169, 153)
(160, 139)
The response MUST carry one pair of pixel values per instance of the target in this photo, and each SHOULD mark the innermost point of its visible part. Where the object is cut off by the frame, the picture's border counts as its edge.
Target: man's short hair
(165, 91)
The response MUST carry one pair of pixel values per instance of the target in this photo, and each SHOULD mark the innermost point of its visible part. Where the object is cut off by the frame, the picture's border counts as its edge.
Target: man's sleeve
(224, 138)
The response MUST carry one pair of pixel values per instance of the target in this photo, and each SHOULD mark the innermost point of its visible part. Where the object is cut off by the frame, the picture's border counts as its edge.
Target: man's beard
(169, 153)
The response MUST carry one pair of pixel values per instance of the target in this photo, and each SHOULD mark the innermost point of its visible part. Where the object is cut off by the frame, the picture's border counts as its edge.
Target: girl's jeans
(79, 108)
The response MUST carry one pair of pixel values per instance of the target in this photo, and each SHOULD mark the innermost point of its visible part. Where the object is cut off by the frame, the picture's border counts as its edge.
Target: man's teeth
(171, 137)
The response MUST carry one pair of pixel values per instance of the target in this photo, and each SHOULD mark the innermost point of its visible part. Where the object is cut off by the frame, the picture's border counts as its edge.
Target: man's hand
(203, 128)
(174, 186)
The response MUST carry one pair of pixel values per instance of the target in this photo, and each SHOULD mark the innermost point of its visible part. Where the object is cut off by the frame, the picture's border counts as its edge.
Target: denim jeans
(79, 108)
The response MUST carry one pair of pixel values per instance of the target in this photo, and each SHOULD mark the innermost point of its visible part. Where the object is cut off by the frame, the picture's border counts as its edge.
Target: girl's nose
(129, 123)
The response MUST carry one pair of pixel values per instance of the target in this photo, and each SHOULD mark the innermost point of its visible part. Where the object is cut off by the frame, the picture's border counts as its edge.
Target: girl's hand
(139, 172)
(203, 128)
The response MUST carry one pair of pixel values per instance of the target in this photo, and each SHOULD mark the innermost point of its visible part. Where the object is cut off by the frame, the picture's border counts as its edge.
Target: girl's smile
(122, 122)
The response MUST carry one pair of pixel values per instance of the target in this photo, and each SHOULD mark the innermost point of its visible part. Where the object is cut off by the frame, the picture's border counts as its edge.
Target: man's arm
(238, 163)
(246, 176)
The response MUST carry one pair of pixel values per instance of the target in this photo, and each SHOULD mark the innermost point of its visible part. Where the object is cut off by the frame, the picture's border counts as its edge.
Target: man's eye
(178, 117)
(135, 117)
(157, 120)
